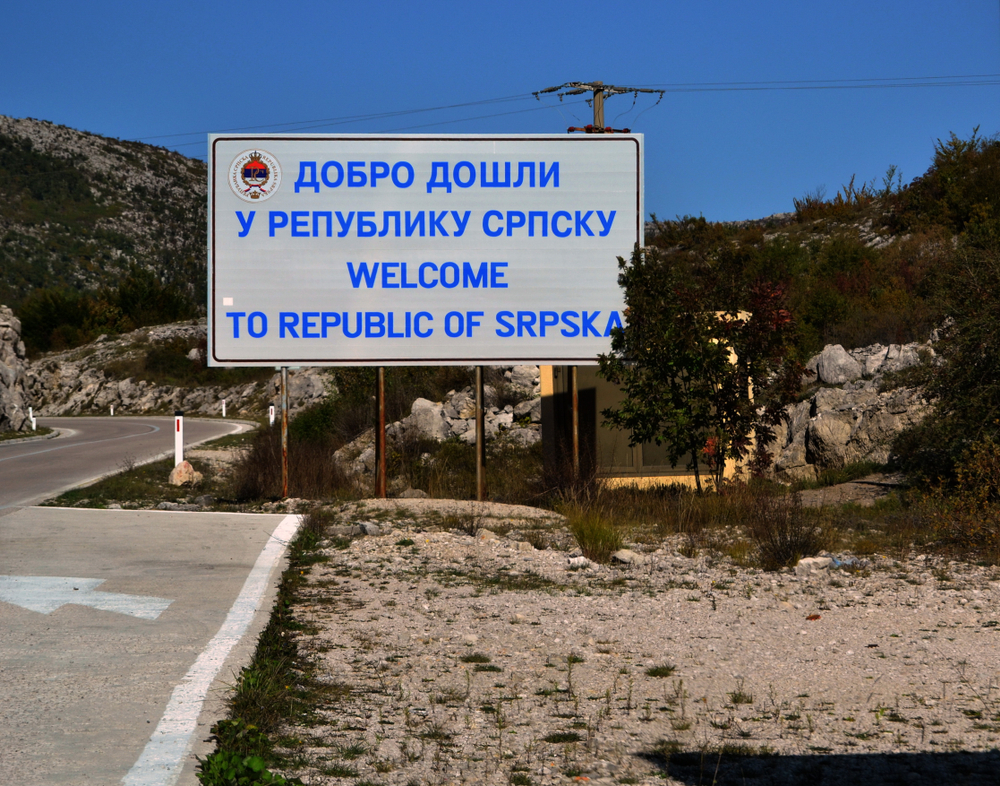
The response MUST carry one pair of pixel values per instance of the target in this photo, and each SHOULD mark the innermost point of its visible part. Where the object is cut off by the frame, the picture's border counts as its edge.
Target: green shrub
(965, 385)
(597, 537)
(231, 769)
(313, 472)
(966, 515)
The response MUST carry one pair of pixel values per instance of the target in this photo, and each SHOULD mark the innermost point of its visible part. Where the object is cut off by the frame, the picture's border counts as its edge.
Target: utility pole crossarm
(599, 92)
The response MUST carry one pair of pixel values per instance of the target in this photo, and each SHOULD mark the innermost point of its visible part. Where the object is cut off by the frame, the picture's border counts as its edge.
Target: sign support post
(480, 437)
(575, 398)
(284, 432)
(380, 469)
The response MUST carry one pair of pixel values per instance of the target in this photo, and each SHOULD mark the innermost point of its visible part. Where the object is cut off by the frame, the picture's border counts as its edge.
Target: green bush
(965, 386)
(966, 515)
(313, 472)
(597, 537)
(959, 188)
(62, 318)
(232, 769)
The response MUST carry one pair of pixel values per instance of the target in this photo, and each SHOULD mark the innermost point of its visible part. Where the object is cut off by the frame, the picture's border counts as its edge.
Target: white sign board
(410, 250)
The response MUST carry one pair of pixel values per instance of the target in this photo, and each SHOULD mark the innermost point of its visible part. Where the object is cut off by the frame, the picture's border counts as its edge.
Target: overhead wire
(819, 83)
(962, 80)
(965, 80)
(435, 124)
(319, 123)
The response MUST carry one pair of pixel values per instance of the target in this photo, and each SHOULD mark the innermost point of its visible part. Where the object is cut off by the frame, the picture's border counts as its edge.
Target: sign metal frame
(219, 253)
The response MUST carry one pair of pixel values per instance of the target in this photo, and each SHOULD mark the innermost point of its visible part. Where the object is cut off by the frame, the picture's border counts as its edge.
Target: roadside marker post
(223, 407)
(112, 410)
(270, 414)
(178, 437)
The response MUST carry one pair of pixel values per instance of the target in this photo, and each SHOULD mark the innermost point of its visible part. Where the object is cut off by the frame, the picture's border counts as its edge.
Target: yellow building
(604, 451)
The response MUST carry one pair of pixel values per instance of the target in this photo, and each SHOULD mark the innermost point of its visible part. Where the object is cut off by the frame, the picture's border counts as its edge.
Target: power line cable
(440, 122)
(928, 81)
(344, 119)
(674, 85)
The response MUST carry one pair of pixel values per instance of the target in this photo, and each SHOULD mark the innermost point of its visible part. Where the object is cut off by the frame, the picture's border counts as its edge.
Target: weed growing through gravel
(597, 536)
(740, 696)
(278, 686)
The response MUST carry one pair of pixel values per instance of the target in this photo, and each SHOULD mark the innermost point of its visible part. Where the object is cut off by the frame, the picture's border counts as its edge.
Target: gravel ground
(478, 658)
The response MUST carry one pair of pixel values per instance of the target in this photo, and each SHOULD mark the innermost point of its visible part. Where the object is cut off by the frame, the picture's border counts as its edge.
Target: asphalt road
(87, 449)
(120, 630)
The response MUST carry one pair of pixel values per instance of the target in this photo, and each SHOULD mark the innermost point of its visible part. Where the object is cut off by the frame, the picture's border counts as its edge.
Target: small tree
(964, 385)
(702, 381)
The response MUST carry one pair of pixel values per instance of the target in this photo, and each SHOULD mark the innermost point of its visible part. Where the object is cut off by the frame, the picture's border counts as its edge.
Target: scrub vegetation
(97, 235)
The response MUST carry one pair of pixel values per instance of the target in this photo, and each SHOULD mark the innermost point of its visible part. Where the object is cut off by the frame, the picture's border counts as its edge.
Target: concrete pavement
(86, 689)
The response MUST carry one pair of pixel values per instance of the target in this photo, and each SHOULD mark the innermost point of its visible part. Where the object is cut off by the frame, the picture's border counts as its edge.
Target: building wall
(603, 451)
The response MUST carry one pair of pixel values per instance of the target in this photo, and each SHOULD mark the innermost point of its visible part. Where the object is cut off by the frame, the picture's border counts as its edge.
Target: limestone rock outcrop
(455, 418)
(854, 421)
(75, 382)
(13, 404)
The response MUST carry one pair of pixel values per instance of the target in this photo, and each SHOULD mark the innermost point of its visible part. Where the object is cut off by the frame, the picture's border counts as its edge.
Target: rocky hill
(157, 370)
(849, 413)
(852, 412)
(77, 208)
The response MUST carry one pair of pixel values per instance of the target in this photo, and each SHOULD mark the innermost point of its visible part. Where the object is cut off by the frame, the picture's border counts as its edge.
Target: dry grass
(313, 473)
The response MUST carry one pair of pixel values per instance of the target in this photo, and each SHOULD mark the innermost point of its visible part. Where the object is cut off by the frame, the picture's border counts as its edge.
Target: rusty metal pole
(380, 470)
(575, 398)
(284, 432)
(598, 104)
(480, 437)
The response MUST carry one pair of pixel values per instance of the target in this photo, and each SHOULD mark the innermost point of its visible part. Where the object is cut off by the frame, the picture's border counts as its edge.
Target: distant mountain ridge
(77, 209)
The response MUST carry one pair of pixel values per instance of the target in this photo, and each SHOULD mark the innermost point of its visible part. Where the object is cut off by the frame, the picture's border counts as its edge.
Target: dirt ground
(454, 657)
(864, 491)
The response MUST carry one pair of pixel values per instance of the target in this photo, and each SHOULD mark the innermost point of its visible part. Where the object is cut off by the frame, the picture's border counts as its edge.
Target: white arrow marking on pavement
(45, 594)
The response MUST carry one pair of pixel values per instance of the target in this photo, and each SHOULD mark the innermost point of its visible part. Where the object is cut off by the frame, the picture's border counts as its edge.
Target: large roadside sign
(418, 250)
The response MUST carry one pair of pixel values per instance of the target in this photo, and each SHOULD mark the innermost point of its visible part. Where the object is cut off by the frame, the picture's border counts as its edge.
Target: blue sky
(716, 148)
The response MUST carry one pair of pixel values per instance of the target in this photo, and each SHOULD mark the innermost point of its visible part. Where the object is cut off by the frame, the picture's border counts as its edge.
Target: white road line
(152, 430)
(163, 758)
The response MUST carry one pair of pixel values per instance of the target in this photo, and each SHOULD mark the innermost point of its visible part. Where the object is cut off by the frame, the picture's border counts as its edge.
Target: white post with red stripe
(178, 437)
(270, 414)
(223, 407)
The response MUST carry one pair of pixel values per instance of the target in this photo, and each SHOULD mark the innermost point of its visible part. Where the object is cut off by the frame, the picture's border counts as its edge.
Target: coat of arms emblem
(254, 175)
